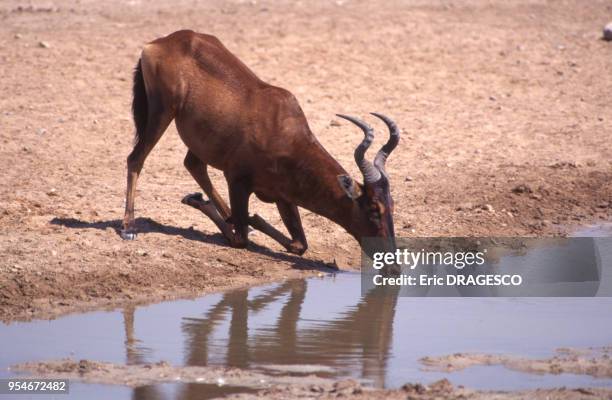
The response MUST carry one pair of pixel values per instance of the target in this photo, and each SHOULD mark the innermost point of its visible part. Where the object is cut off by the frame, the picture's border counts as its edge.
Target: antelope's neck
(318, 189)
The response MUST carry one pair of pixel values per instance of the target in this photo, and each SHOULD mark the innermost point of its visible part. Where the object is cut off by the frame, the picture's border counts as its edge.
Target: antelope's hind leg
(158, 119)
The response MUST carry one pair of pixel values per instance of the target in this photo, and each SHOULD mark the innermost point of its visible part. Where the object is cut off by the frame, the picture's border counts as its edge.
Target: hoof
(296, 249)
(127, 234)
(193, 199)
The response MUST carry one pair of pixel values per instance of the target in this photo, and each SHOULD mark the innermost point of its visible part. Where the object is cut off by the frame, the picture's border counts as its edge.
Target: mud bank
(261, 385)
(596, 362)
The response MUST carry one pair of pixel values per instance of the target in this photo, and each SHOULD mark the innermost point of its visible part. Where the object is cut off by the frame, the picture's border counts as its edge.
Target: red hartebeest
(258, 136)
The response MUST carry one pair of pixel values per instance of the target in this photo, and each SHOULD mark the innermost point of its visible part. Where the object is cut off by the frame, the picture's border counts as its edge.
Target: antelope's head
(372, 211)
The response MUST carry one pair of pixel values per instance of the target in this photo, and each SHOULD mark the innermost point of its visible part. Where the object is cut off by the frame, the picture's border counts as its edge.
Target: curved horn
(370, 173)
(394, 136)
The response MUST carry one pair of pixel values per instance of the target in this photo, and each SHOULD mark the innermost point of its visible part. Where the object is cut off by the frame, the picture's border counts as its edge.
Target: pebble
(488, 207)
(607, 32)
(522, 188)
(44, 45)
(465, 207)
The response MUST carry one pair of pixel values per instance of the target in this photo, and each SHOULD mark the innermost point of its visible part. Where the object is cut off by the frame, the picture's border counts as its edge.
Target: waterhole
(321, 326)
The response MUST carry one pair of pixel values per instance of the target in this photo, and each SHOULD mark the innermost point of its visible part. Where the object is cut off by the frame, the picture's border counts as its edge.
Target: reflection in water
(358, 339)
(134, 354)
(365, 330)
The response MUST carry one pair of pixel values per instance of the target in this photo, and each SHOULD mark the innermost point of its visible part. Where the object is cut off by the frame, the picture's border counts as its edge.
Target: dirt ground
(504, 108)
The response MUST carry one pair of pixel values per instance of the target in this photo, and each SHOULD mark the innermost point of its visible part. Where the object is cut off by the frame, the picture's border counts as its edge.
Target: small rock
(347, 387)
(408, 179)
(316, 389)
(604, 204)
(465, 207)
(488, 207)
(52, 192)
(441, 386)
(220, 381)
(44, 45)
(564, 164)
(607, 32)
(333, 122)
(41, 131)
(18, 36)
(141, 252)
(415, 388)
(522, 188)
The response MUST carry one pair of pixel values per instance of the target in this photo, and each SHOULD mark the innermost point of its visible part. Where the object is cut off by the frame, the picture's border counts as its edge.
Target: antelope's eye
(375, 210)
(377, 207)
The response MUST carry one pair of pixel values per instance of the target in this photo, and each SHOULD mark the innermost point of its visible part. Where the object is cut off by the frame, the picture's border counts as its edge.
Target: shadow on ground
(147, 225)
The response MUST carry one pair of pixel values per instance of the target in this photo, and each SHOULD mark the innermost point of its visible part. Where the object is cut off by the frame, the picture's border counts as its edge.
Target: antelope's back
(201, 62)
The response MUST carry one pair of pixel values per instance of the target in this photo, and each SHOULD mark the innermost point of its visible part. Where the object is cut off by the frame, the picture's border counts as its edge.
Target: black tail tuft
(140, 106)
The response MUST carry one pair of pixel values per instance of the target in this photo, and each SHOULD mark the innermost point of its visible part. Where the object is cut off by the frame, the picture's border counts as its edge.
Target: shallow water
(319, 322)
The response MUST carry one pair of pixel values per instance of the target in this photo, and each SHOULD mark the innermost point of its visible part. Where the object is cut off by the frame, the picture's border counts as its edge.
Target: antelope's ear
(350, 187)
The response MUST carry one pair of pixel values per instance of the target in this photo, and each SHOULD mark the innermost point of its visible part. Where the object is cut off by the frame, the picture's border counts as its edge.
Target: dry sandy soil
(489, 95)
